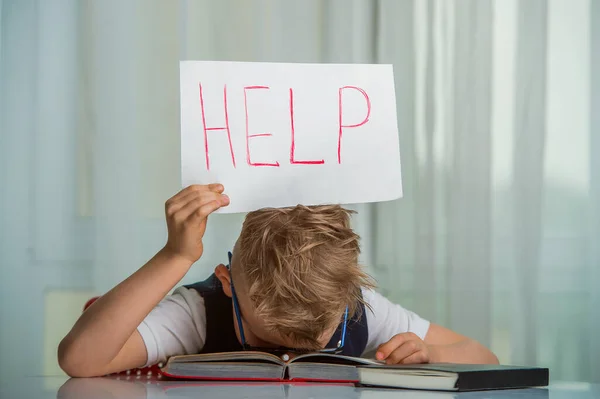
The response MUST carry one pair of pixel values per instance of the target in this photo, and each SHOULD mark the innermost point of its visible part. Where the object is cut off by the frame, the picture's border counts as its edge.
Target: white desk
(144, 388)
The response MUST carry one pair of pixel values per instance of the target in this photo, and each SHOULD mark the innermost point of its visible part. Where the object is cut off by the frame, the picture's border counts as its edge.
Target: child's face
(255, 333)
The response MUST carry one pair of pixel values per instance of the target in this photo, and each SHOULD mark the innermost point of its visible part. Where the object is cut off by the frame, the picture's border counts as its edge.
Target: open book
(319, 367)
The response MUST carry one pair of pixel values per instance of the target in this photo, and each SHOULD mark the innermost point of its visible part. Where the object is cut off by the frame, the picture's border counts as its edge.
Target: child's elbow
(493, 359)
(67, 358)
(482, 354)
(488, 357)
(71, 361)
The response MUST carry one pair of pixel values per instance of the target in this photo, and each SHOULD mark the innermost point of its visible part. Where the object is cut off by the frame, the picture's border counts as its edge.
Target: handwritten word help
(279, 134)
(227, 129)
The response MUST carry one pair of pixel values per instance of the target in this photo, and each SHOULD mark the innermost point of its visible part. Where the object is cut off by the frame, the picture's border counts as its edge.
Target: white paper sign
(278, 134)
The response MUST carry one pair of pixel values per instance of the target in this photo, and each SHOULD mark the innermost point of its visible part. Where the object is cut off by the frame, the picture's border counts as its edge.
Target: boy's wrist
(434, 354)
(171, 257)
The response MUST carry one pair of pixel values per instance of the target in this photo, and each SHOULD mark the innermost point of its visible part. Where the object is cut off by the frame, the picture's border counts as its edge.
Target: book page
(246, 356)
(335, 359)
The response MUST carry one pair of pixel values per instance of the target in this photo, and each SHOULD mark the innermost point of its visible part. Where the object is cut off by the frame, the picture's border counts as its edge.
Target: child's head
(294, 271)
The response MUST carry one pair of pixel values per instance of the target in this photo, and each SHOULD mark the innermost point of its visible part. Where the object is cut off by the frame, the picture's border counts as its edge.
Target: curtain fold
(594, 165)
(527, 188)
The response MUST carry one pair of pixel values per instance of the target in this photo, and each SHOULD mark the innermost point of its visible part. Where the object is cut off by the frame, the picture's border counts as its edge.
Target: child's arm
(105, 338)
(441, 345)
(401, 337)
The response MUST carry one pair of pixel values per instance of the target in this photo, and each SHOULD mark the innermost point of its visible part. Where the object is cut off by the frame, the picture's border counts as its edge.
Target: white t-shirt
(177, 325)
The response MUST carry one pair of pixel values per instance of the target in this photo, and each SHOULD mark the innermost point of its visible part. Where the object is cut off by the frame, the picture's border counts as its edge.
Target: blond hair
(300, 269)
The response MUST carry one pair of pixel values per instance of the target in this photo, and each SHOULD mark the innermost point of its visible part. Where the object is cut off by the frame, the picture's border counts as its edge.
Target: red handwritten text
(293, 161)
(249, 136)
(206, 129)
(293, 146)
(341, 125)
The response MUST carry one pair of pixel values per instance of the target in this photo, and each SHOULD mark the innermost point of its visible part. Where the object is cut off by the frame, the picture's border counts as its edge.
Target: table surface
(151, 388)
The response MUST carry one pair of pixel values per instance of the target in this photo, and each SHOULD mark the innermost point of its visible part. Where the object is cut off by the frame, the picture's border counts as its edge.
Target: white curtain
(497, 236)
(498, 233)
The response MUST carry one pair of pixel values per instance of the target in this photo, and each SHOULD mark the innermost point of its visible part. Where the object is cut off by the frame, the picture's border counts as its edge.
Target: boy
(293, 282)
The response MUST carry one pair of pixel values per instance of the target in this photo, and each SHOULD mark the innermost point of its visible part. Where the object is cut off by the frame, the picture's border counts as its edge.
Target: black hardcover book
(455, 377)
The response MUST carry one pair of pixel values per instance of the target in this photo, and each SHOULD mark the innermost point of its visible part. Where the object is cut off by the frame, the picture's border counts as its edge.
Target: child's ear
(224, 277)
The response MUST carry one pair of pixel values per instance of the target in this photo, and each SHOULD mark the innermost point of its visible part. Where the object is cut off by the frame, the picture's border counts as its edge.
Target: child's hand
(405, 348)
(186, 214)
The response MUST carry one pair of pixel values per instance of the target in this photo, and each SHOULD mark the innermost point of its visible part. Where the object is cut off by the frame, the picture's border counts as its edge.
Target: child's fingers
(217, 188)
(194, 197)
(194, 204)
(189, 193)
(386, 349)
(202, 212)
(416, 358)
(407, 349)
(192, 190)
(189, 189)
(197, 203)
(224, 200)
